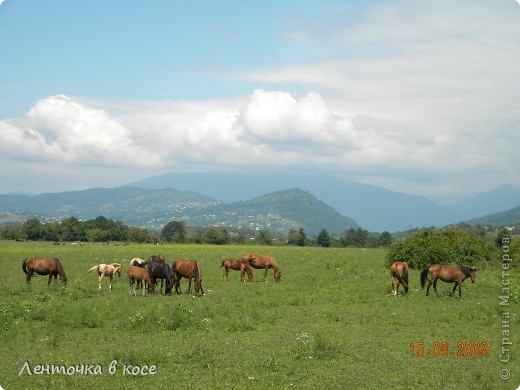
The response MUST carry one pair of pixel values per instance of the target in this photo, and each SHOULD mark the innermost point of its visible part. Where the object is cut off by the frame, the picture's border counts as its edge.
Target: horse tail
(93, 268)
(424, 275)
(24, 266)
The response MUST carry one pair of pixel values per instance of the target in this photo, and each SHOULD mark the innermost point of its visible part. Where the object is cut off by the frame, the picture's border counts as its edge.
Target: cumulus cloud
(62, 129)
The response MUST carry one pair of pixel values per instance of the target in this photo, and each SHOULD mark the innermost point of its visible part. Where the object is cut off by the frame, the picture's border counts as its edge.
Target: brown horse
(137, 273)
(107, 270)
(399, 270)
(237, 265)
(447, 274)
(43, 266)
(188, 269)
(263, 262)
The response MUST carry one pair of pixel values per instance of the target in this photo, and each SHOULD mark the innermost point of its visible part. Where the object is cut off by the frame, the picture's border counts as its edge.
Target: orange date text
(444, 349)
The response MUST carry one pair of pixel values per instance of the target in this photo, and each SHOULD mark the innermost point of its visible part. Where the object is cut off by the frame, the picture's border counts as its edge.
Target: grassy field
(330, 323)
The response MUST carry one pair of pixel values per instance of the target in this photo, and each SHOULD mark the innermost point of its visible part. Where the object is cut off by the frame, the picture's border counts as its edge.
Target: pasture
(330, 323)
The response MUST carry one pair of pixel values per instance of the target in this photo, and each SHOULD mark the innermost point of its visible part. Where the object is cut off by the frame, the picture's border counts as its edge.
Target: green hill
(152, 209)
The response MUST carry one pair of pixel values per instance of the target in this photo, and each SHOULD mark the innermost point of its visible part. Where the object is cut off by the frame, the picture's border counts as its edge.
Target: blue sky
(416, 96)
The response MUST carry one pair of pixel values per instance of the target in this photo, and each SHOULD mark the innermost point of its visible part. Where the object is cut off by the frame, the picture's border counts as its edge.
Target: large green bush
(447, 246)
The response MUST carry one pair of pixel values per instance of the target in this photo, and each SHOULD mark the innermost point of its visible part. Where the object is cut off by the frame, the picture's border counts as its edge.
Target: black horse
(161, 271)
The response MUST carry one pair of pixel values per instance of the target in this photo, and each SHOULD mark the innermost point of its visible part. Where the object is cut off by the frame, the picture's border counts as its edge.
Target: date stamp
(444, 349)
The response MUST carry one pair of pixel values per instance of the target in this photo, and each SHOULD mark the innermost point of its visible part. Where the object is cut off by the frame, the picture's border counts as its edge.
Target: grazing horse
(263, 262)
(447, 274)
(188, 269)
(137, 273)
(238, 265)
(43, 266)
(161, 271)
(399, 270)
(156, 259)
(138, 262)
(107, 270)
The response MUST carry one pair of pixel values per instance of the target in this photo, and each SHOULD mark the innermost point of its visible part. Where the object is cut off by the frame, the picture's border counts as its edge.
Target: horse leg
(454, 288)
(50, 278)
(460, 289)
(189, 286)
(394, 290)
(110, 286)
(99, 281)
(428, 287)
(265, 275)
(435, 286)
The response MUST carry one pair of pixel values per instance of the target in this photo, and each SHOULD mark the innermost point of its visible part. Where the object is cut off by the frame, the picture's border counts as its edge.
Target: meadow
(330, 323)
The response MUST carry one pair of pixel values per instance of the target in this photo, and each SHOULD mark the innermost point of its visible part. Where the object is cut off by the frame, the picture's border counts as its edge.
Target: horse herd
(145, 274)
(432, 273)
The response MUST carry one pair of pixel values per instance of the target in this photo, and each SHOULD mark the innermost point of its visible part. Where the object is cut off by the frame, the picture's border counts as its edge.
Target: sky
(417, 96)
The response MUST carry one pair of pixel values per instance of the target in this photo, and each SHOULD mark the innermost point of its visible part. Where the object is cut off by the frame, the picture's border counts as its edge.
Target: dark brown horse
(137, 273)
(447, 274)
(156, 259)
(399, 270)
(263, 262)
(237, 265)
(43, 266)
(188, 269)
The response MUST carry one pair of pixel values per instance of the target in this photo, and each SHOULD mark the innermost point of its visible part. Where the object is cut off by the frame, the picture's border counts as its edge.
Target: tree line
(106, 230)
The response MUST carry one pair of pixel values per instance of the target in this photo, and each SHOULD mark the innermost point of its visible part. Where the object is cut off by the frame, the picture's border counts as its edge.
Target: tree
(215, 236)
(33, 229)
(96, 235)
(384, 239)
(264, 237)
(323, 239)
(174, 231)
(296, 237)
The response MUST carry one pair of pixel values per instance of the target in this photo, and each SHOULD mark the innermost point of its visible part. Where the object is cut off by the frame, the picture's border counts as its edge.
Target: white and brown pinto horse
(106, 270)
(263, 262)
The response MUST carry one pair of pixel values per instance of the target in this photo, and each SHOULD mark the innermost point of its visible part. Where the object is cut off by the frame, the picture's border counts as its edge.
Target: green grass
(331, 323)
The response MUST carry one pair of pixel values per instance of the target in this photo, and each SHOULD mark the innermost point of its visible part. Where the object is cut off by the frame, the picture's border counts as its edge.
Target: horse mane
(196, 271)
(274, 264)
(466, 270)
(61, 271)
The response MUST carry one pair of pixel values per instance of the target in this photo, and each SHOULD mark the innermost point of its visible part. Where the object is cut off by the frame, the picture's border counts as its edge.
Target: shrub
(445, 246)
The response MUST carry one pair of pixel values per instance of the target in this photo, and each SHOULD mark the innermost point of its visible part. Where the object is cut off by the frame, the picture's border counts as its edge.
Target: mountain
(133, 206)
(152, 209)
(504, 218)
(374, 208)
(499, 199)
(282, 211)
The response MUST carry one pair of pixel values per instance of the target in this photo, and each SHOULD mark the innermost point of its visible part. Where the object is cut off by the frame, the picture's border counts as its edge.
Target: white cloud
(61, 129)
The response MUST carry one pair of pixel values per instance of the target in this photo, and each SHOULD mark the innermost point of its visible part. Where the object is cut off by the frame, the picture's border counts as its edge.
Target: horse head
(472, 274)
(277, 276)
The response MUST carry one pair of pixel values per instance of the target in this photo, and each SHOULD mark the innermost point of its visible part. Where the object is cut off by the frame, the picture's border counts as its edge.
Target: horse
(43, 266)
(399, 270)
(263, 262)
(238, 265)
(137, 273)
(138, 262)
(156, 259)
(107, 270)
(447, 274)
(161, 271)
(188, 269)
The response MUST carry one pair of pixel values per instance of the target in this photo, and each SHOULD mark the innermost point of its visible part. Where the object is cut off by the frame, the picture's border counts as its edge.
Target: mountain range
(276, 202)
